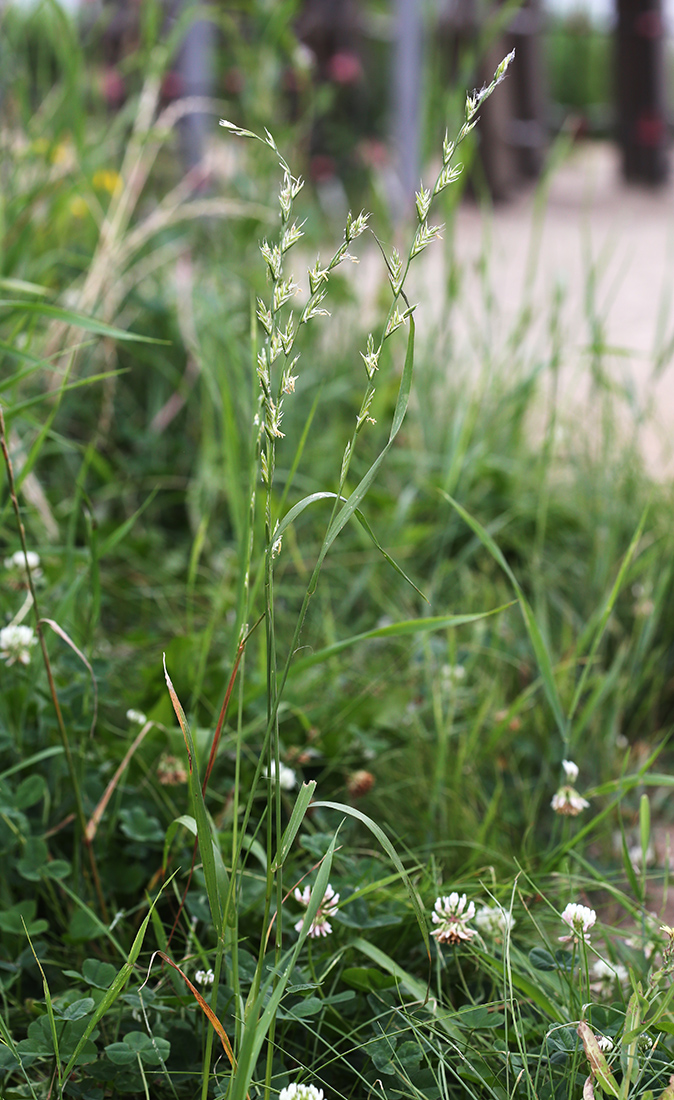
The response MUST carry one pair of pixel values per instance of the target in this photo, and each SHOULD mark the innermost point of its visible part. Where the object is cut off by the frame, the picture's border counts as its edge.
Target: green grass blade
(36, 758)
(39, 399)
(95, 919)
(298, 508)
(75, 320)
(258, 1019)
(345, 513)
(395, 630)
(7, 1039)
(381, 836)
(536, 638)
(401, 572)
(605, 615)
(212, 874)
(50, 1008)
(296, 819)
(20, 286)
(410, 984)
(122, 531)
(405, 384)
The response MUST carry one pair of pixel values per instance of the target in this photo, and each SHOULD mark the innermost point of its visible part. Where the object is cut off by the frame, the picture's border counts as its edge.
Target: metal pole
(406, 80)
(195, 69)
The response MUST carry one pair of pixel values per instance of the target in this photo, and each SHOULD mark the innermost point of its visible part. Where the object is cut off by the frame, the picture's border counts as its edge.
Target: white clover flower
(204, 977)
(604, 1043)
(300, 1092)
(451, 674)
(580, 920)
(287, 776)
(636, 855)
(568, 802)
(18, 561)
(606, 974)
(15, 644)
(136, 716)
(320, 925)
(570, 770)
(450, 914)
(494, 921)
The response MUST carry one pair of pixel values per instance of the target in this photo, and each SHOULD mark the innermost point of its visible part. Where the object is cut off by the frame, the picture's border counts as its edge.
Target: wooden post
(640, 78)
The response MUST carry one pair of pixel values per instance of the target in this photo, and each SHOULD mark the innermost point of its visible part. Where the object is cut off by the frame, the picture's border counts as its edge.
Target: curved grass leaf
(381, 836)
(410, 984)
(296, 819)
(396, 630)
(260, 1013)
(298, 508)
(75, 320)
(536, 638)
(39, 399)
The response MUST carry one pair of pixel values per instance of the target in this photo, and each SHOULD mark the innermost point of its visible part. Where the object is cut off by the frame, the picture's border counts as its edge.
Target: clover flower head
(16, 643)
(637, 943)
(170, 770)
(320, 925)
(494, 921)
(580, 920)
(17, 561)
(300, 1092)
(359, 783)
(451, 674)
(204, 977)
(568, 802)
(604, 1043)
(605, 975)
(287, 777)
(450, 914)
(570, 770)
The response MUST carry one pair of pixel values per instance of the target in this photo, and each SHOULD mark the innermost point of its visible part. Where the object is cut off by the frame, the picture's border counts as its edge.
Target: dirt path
(593, 225)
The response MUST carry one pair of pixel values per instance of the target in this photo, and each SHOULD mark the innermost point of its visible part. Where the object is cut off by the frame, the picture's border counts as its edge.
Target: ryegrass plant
(451, 728)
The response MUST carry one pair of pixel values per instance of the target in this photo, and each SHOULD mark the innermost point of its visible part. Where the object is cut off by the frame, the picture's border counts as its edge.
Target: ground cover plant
(357, 834)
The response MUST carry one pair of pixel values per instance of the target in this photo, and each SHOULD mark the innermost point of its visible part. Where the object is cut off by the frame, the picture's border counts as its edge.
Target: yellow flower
(61, 153)
(107, 180)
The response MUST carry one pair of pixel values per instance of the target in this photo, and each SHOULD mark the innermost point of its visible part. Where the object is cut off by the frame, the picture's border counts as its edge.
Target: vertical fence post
(640, 79)
(406, 81)
(195, 69)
